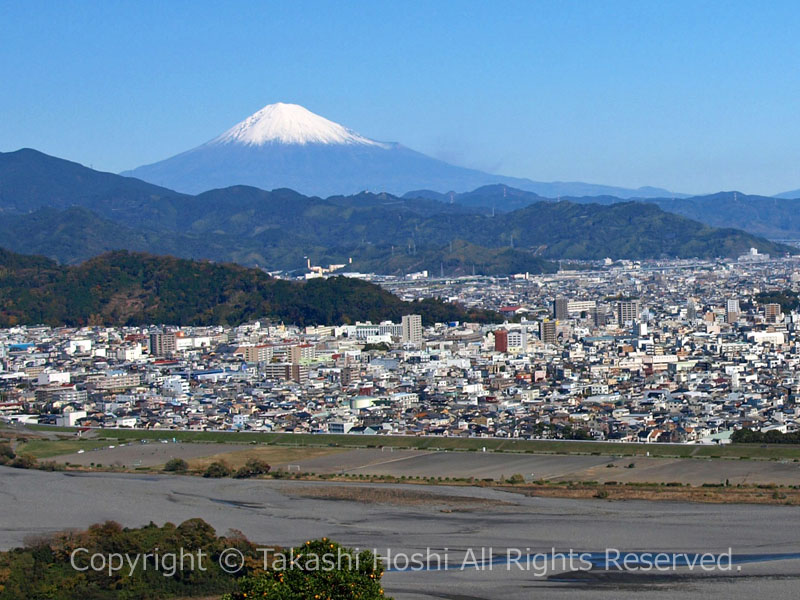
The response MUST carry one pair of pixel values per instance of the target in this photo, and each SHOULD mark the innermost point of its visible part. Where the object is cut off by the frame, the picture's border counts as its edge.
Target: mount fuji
(288, 146)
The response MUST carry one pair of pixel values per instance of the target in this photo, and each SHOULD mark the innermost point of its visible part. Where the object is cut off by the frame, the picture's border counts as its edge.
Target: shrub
(217, 470)
(259, 467)
(50, 465)
(6, 454)
(252, 468)
(176, 465)
(44, 568)
(601, 494)
(25, 461)
(302, 573)
(516, 478)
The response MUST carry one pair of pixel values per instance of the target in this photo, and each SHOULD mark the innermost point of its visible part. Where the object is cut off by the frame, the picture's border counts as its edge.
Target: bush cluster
(357, 575)
(252, 468)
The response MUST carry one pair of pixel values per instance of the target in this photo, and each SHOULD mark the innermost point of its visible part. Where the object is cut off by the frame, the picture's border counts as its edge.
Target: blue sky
(691, 96)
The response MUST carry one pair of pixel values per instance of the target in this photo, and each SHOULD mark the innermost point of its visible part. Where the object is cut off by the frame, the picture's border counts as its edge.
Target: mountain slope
(626, 230)
(379, 232)
(122, 288)
(499, 198)
(30, 179)
(773, 217)
(287, 146)
(76, 234)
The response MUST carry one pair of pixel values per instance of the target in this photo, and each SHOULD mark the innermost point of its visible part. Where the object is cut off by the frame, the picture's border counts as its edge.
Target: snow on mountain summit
(288, 146)
(289, 124)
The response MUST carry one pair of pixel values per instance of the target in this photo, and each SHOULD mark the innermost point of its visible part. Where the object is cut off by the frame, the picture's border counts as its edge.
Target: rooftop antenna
(441, 269)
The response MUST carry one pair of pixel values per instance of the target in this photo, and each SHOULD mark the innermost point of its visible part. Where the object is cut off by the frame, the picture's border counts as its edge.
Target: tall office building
(561, 309)
(732, 310)
(691, 310)
(627, 312)
(162, 344)
(772, 312)
(412, 329)
(518, 339)
(548, 332)
(599, 316)
(501, 340)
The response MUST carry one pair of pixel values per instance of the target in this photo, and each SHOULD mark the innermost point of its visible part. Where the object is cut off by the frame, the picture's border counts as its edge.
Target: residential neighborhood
(659, 351)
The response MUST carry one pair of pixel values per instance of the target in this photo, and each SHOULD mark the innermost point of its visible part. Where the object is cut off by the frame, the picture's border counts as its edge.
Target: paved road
(277, 512)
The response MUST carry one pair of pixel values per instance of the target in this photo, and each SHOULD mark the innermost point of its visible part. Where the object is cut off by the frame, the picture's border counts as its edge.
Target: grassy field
(736, 451)
(277, 456)
(282, 449)
(41, 448)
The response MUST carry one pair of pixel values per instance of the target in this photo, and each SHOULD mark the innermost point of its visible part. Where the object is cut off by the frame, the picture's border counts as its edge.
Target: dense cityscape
(660, 351)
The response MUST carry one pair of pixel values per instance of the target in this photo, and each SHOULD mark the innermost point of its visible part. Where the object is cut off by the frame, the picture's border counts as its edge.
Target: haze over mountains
(793, 194)
(772, 217)
(288, 146)
(70, 213)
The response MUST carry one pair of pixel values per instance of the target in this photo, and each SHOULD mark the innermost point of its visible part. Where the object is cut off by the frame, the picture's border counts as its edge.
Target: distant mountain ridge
(381, 233)
(791, 195)
(769, 216)
(287, 146)
(30, 180)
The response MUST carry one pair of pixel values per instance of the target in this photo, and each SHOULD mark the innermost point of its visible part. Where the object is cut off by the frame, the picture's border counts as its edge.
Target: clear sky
(692, 96)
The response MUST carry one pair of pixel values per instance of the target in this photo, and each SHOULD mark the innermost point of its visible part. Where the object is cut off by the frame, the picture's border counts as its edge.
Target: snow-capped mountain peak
(289, 124)
(288, 146)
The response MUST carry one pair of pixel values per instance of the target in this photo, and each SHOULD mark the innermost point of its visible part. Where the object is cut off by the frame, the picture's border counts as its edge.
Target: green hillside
(70, 213)
(123, 288)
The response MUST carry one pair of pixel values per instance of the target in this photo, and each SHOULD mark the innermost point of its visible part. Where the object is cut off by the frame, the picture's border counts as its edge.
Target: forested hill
(124, 288)
(72, 213)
